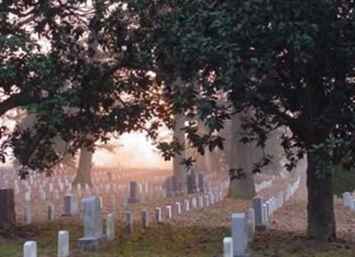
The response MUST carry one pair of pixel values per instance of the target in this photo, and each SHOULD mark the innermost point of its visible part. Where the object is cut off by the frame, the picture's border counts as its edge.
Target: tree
(290, 62)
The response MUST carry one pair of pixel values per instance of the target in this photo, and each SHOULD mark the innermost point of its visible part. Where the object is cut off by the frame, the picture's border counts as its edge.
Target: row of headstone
(195, 183)
(196, 202)
(71, 207)
(258, 217)
(44, 188)
(92, 217)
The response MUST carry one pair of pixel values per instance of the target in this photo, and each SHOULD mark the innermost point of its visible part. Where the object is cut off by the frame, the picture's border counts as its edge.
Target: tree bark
(242, 157)
(83, 175)
(179, 170)
(320, 209)
(7, 208)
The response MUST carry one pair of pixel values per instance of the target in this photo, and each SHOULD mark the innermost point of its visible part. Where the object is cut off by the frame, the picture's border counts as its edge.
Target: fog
(133, 150)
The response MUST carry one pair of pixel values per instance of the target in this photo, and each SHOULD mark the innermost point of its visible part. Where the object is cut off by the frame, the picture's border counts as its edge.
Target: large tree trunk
(179, 170)
(242, 157)
(83, 175)
(7, 209)
(321, 218)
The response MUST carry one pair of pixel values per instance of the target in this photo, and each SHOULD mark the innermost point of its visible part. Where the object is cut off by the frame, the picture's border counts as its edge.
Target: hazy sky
(134, 151)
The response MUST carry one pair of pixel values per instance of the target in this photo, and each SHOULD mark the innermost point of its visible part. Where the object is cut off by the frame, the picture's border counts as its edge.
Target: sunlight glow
(134, 151)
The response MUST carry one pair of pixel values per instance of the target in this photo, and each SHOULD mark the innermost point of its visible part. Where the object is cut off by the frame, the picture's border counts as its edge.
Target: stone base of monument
(90, 243)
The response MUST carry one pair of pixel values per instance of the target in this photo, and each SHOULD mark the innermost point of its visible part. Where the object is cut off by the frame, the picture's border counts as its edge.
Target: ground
(196, 234)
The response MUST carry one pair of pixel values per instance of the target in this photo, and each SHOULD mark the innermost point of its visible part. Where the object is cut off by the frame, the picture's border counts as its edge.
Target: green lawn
(171, 241)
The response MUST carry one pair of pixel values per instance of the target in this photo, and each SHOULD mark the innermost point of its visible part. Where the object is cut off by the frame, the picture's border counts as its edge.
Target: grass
(167, 240)
(282, 244)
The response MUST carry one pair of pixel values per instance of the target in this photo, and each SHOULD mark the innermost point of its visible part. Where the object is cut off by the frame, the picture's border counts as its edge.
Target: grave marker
(93, 235)
(63, 244)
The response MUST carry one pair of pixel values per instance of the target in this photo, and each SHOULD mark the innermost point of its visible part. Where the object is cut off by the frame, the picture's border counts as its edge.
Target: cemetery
(177, 128)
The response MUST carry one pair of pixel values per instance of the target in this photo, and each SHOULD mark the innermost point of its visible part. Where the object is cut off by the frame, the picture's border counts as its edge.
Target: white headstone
(128, 222)
(187, 204)
(70, 205)
(178, 208)
(63, 244)
(251, 223)
(51, 212)
(28, 213)
(30, 249)
(239, 235)
(347, 199)
(158, 215)
(200, 201)
(227, 247)
(170, 212)
(110, 227)
(92, 223)
(145, 218)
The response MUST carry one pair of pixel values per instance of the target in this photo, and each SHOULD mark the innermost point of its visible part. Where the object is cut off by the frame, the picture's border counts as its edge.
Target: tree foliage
(289, 63)
(49, 68)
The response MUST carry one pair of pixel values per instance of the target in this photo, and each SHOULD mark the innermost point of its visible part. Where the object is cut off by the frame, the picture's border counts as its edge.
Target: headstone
(7, 207)
(145, 219)
(158, 215)
(257, 206)
(169, 187)
(169, 211)
(347, 199)
(212, 198)
(187, 205)
(352, 207)
(101, 202)
(114, 204)
(30, 249)
(251, 223)
(110, 227)
(133, 192)
(51, 212)
(70, 205)
(265, 215)
(191, 183)
(28, 212)
(43, 195)
(227, 247)
(200, 201)
(93, 235)
(128, 223)
(207, 200)
(28, 196)
(201, 183)
(194, 203)
(174, 185)
(63, 244)
(239, 235)
(178, 208)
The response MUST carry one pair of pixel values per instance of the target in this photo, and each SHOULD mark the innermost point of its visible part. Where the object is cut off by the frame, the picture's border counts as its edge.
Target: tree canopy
(49, 67)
